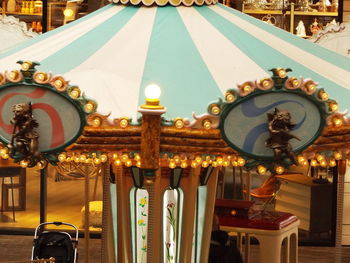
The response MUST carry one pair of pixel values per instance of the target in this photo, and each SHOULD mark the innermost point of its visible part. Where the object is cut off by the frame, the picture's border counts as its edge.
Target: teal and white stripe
(194, 53)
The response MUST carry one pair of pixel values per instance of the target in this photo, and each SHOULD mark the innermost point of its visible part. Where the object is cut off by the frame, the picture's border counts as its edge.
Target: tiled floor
(14, 248)
(19, 248)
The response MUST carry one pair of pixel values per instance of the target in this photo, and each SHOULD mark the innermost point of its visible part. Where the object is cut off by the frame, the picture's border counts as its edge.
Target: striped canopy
(193, 53)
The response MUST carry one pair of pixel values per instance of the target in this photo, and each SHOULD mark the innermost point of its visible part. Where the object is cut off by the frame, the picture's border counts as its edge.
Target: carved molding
(13, 31)
(335, 37)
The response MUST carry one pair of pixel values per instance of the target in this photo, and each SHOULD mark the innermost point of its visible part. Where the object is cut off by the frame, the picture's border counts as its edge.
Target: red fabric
(268, 220)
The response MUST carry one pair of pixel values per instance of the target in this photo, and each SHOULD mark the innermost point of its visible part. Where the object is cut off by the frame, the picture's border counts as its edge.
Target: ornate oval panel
(244, 125)
(60, 119)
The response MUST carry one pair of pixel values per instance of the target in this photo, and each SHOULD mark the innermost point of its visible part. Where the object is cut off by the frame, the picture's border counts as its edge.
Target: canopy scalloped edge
(165, 2)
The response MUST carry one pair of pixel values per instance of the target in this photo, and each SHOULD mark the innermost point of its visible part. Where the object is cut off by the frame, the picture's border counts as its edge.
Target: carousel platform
(17, 247)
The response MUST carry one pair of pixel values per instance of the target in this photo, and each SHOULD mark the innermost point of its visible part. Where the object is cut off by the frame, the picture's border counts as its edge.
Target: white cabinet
(310, 202)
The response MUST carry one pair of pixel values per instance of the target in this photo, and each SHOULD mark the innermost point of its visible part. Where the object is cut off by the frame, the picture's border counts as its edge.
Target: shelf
(298, 13)
(291, 15)
(22, 14)
(302, 13)
(264, 12)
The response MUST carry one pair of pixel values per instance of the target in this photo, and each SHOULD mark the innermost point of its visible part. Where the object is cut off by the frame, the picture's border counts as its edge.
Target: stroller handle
(57, 223)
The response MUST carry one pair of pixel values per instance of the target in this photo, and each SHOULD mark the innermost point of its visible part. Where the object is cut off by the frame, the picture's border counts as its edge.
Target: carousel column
(150, 152)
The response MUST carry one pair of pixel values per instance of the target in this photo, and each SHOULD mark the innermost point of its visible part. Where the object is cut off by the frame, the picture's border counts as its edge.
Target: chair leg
(294, 247)
(286, 250)
(247, 248)
(270, 249)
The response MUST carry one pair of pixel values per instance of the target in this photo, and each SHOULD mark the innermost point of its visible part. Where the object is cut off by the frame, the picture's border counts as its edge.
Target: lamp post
(150, 153)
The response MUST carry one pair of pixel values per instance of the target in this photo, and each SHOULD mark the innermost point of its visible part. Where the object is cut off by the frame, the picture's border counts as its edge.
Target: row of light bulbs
(198, 161)
(182, 161)
(83, 158)
(179, 123)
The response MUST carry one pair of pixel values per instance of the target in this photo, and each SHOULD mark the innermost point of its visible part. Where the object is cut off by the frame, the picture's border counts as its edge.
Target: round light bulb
(96, 122)
(247, 88)
(241, 161)
(220, 161)
(82, 158)
(58, 83)
(23, 163)
(89, 107)
(179, 124)
(333, 106)
(205, 164)
(206, 124)
(280, 169)
(3, 151)
(13, 74)
(124, 123)
(152, 91)
(319, 157)
(97, 161)
(332, 163)
(281, 73)
(26, 66)
(323, 163)
(117, 162)
(323, 95)
(215, 109)
(313, 162)
(337, 122)
(103, 158)
(262, 169)
(301, 159)
(68, 12)
(230, 97)
(62, 157)
(337, 155)
(295, 83)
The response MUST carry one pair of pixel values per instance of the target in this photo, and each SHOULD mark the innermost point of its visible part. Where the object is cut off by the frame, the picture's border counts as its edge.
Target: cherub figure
(279, 127)
(24, 139)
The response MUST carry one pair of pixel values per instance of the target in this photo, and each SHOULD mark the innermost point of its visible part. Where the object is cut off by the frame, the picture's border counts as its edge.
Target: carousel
(160, 169)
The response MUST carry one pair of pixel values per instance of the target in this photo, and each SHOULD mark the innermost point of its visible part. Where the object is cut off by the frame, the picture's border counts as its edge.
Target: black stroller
(59, 245)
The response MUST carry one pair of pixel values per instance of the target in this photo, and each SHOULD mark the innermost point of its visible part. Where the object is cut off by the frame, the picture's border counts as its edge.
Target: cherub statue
(301, 29)
(279, 127)
(24, 139)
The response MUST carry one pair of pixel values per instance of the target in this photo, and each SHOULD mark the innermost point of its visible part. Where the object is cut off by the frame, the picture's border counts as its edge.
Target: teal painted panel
(174, 63)
(88, 44)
